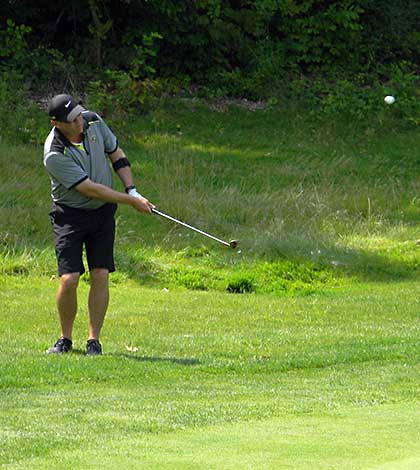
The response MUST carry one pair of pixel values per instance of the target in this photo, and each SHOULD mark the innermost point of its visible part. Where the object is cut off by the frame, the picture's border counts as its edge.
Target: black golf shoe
(93, 348)
(63, 345)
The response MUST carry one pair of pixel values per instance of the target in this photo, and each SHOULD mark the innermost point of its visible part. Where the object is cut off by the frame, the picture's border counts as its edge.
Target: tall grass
(342, 197)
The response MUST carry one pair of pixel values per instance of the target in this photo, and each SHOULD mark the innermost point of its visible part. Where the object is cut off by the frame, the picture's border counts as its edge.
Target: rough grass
(319, 201)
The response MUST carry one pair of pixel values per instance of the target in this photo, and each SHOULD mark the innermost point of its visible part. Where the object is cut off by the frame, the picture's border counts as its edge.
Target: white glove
(133, 192)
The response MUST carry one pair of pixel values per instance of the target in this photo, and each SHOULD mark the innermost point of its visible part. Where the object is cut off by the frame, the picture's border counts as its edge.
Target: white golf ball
(389, 99)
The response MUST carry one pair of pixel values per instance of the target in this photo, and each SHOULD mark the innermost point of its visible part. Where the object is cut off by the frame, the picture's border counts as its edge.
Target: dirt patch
(222, 105)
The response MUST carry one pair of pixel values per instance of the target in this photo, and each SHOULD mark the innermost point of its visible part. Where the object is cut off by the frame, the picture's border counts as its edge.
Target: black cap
(64, 108)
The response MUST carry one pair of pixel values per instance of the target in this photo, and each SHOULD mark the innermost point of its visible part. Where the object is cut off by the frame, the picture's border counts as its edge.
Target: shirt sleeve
(64, 170)
(110, 140)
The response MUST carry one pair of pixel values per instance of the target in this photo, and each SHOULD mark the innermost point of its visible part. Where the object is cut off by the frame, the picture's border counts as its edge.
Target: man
(78, 154)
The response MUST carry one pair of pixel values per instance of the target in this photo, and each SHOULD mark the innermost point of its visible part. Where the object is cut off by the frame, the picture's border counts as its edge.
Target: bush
(241, 283)
(14, 46)
(119, 94)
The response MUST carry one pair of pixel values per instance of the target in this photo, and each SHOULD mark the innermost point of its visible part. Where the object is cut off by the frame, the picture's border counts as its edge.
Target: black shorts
(74, 228)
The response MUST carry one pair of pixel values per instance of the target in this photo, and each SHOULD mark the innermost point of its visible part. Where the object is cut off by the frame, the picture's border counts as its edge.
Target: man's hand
(141, 203)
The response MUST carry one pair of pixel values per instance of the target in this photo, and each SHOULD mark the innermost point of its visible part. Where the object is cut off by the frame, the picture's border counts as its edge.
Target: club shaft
(162, 214)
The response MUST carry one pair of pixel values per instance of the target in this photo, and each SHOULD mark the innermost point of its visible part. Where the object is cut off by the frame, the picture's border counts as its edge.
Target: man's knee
(69, 281)
(99, 276)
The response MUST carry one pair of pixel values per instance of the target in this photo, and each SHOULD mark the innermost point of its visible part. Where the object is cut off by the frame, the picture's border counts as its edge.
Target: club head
(234, 243)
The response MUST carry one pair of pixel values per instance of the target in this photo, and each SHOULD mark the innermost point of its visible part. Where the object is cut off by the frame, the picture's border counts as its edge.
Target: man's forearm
(104, 193)
(99, 191)
(122, 167)
(124, 173)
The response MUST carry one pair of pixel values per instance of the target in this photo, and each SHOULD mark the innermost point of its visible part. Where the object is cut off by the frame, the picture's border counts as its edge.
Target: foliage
(253, 49)
(13, 45)
(362, 99)
(390, 34)
(121, 94)
(316, 32)
(144, 55)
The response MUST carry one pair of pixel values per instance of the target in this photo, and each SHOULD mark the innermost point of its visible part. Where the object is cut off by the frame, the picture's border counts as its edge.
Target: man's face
(70, 129)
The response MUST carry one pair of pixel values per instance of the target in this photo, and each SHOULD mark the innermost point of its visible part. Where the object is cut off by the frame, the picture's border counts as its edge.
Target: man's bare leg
(98, 301)
(67, 302)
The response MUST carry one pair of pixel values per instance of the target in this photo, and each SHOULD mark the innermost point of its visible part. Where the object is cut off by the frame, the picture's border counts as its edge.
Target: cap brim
(74, 113)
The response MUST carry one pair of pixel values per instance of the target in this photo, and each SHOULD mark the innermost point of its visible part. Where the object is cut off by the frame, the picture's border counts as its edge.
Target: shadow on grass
(172, 360)
(357, 263)
(368, 266)
(134, 357)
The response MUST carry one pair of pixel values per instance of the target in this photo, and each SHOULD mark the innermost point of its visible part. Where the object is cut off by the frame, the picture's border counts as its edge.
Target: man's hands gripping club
(146, 206)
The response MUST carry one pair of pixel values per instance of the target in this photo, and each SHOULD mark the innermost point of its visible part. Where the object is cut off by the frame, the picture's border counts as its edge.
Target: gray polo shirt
(69, 164)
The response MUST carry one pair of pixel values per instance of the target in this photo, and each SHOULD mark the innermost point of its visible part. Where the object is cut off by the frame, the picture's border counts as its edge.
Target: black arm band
(120, 163)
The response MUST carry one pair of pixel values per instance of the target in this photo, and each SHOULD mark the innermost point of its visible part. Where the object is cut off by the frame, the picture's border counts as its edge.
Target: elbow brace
(120, 163)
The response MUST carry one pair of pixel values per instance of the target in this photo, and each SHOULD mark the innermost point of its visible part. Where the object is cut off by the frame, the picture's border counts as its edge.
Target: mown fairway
(218, 381)
(205, 380)
(317, 368)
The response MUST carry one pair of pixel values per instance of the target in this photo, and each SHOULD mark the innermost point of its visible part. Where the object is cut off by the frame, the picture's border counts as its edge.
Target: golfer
(78, 155)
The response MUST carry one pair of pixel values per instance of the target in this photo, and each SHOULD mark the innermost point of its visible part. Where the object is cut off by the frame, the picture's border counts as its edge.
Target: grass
(234, 381)
(342, 201)
(298, 350)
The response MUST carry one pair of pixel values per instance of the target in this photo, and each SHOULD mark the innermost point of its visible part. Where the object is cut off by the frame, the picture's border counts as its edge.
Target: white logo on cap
(68, 104)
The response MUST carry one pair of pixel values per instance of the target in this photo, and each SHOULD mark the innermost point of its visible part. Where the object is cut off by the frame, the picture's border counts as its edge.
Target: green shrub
(241, 283)
(14, 46)
(119, 94)
(404, 83)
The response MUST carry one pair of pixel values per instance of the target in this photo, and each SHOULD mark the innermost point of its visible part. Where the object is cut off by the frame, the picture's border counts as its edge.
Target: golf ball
(389, 99)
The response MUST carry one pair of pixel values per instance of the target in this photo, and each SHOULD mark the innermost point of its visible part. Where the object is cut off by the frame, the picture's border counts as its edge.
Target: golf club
(231, 244)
